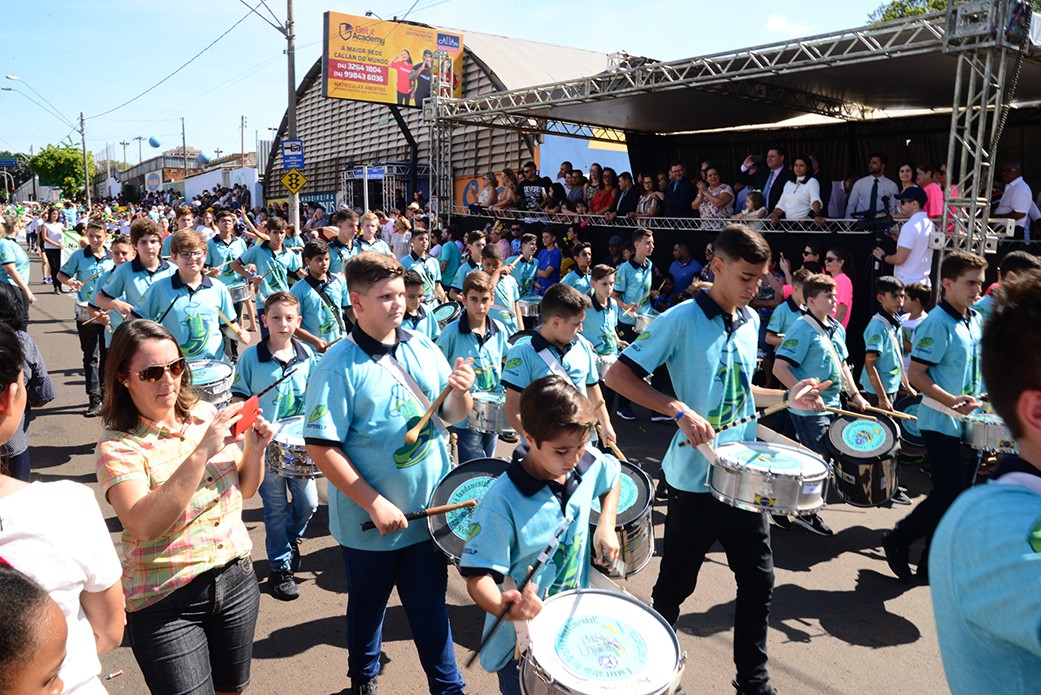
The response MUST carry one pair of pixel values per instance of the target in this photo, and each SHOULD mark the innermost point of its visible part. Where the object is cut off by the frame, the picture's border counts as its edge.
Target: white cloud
(779, 24)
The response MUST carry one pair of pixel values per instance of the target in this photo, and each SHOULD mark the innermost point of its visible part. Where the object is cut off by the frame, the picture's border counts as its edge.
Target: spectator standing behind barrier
(1015, 200)
(531, 191)
(874, 195)
(823, 180)
(626, 199)
(508, 198)
(913, 260)
(837, 263)
(771, 179)
(649, 204)
(925, 177)
(679, 194)
(715, 199)
(801, 197)
(603, 198)
(905, 175)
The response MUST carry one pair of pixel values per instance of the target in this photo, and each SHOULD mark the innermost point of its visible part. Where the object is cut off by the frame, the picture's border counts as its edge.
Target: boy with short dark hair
(426, 266)
(525, 267)
(344, 245)
(883, 375)
(945, 368)
(322, 299)
(579, 277)
(125, 285)
(918, 302)
(789, 311)
(365, 395)
(475, 243)
(557, 348)
(270, 265)
(633, 292)
(418, 318)
(259, 367)
(601, 323)
(84, 273)
(475, 334)
(506, 293)
(549, 260)
(518, 515)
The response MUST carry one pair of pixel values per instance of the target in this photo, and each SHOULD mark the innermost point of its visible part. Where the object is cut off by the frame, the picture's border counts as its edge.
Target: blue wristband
(683, 411)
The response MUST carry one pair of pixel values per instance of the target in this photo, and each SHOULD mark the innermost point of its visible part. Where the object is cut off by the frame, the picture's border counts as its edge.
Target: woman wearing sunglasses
(172, 469)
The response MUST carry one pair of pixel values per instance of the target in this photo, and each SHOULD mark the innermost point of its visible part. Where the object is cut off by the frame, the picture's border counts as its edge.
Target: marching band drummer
(554, 475)
(709, 344)
(365, 395)
(260, 366)
(945, 368)
(427, 267)
(477, 335)
(272, 263)
(173, 471)
(221, 249)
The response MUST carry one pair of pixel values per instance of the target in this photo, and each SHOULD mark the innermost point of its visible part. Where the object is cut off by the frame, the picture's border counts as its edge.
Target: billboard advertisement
(386, 62)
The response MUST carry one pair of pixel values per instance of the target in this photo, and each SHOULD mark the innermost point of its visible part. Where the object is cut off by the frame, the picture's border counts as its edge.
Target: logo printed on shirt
(924, 343)
(790, 343)
(514, 363)
(317, 414)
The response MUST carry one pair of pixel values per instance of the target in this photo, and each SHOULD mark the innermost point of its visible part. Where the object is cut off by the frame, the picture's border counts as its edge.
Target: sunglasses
(830, 259)
(808, 253)
(154, 372)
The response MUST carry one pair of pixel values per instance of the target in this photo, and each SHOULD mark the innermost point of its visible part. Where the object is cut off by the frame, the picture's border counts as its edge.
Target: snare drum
(520, 338)
(865, 458)
(643, 321)
(82, 312)
(911, 442)
(489, 413)
(530, 305)
(604, 362)
(239, 292)
(633, 524)
(446, 313)
(592, 642)
(762, 476)
(286, 455)
(988, 432)
(467, 481)
(212, 378)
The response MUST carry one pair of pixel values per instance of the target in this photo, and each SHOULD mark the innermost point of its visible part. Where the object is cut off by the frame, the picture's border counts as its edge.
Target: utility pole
(184, 151)
(86, 170)
(124, 143)
(32, 170)
(217, 152)
(294, 198)
(242, 134)
(139, 138)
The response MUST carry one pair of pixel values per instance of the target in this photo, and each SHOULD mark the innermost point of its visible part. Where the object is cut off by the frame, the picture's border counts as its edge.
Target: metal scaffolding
(441, 179)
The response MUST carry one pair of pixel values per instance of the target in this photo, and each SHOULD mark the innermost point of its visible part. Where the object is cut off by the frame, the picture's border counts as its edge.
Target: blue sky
(93, 55)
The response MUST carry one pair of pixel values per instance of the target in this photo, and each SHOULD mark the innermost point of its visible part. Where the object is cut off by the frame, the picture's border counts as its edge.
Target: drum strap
(405, 379)
(846, 388)
(554, 364)
(327, 300)
(939, 407)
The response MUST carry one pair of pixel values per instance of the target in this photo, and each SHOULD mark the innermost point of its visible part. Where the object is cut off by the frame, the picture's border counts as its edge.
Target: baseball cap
(913, 193)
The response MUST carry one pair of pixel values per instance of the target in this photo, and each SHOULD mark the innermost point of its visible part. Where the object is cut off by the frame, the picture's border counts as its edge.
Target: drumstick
(892, 413)
(429, 511)
(225, 318)
(610, 445)
(840, 411)
(249, 406)
(95, 318)
(543, 556)
(761, 413)
(413, 434)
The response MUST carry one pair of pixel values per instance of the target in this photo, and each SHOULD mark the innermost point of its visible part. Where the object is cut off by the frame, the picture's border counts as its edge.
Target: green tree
(22, 172)
(898, 9)
(62, 165)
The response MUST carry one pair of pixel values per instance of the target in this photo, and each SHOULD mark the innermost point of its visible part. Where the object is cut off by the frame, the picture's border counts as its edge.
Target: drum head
(209, 371)
(634, 499)
(863, 439)
(290, 431)
(766, 457)
(446, 312)
(467, 481)
(520, 338)
(593, 641)
(909, 428)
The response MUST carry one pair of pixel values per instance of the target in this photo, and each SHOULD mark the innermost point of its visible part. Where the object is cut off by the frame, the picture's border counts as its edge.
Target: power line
(191, 60)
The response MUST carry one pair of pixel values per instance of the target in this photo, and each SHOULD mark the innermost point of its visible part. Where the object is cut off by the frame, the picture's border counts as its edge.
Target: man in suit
(679, 194)
(627, 198)
(770, 179)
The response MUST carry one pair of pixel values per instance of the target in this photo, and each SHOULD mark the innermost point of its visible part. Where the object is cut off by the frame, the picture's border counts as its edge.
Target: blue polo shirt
(949, 345)
(711, 357)
(189, 314)
(165, 250)
(377, 245)
(457, 339)
(340, 254)
(83, 264)
(581, 282)
(357, 405)
(504, 299)
(808, 354)
(882, 337)
(633, 282)
(465, 268)
(784, 315)
(599, 326)
(451, 256)
(257, 369)
(318, 318)
(11, 252)
(548, 259)
(218, 253)
(523, 364)
(280, 265)
(515, 521)
(683, 274)
(422, 322)
(429, 269)
(983, 306)
(525, 272)
(128, 283)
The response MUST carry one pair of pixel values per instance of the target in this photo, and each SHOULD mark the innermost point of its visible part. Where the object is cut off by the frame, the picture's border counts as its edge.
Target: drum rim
(912, 439)
(837, 446)
(438, 525)
(628, 517)
(758, 444)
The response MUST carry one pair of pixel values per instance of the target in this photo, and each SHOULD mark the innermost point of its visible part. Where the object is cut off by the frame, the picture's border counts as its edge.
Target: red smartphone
(249, 416)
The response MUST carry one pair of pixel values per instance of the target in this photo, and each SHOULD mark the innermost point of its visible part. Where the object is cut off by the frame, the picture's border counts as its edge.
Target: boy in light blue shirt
(504, 309)
(365, 395)
(1014, 263)
(370, 224)
(633, 293)
(789, 311)
(557, 477)
(271, 263)
(418, 317)
(475, 243)
(525, 267)
(883, 375)
(580, 277)
(427, 267)
(322, 298)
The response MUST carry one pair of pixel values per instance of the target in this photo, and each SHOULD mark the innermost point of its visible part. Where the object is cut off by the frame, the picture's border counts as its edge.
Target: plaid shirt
(209, 533)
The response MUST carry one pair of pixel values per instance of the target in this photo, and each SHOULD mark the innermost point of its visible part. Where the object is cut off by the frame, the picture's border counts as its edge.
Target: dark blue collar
(953, 313)
(894, 321)
(712, 310)
(340, 245)
(529, 485)
(638, 266)
(318, 285)
(464, 327)
(137, 267)
(540, 343)
(1010, 463)
(597, 305)
(97, 259)
(795, 308)
(264, 353)
(418, 259)
(374, 348)
(828, 324)
(206, 281)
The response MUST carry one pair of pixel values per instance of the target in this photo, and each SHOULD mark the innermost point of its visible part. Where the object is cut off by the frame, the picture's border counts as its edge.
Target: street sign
(375, 173)
(293, 180)
(13, 161)
(292, 154)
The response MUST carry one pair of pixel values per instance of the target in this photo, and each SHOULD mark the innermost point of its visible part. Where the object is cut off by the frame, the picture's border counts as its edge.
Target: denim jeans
(953, 465)
(420, 573)
(199, 638)
(509, 678)
(285, 520)
(92, 344)
(474, 445)
(694, 523)
(812, 432)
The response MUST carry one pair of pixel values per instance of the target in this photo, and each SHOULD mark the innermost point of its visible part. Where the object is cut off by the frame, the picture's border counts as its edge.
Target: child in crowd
(223, 248)
(83, 273)
(600, 326)
(259, 367)
(121, 251)
(426, 266)
(475, 243)
(1014, 263)
(370, 225)
(450, 255)
(815, 347)
(789, 311)
(525, 267)
(478, 336)
(504, 303)
(634, 294)
(189, 304)
(418, 318)
(33, 650)
(557, 348)
(322, 299)
(556, 476)
(918, 302)
(344, 246)
(579, 277)
(270, 264)
(363, 398)
(549, 260)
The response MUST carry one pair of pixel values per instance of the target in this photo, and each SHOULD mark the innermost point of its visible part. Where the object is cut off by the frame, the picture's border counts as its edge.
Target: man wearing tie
(770, 181)
(679, 194)
(874, 195)
(626, 200)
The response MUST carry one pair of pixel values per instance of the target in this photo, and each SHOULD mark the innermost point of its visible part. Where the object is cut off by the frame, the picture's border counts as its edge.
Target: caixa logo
(448, 42)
